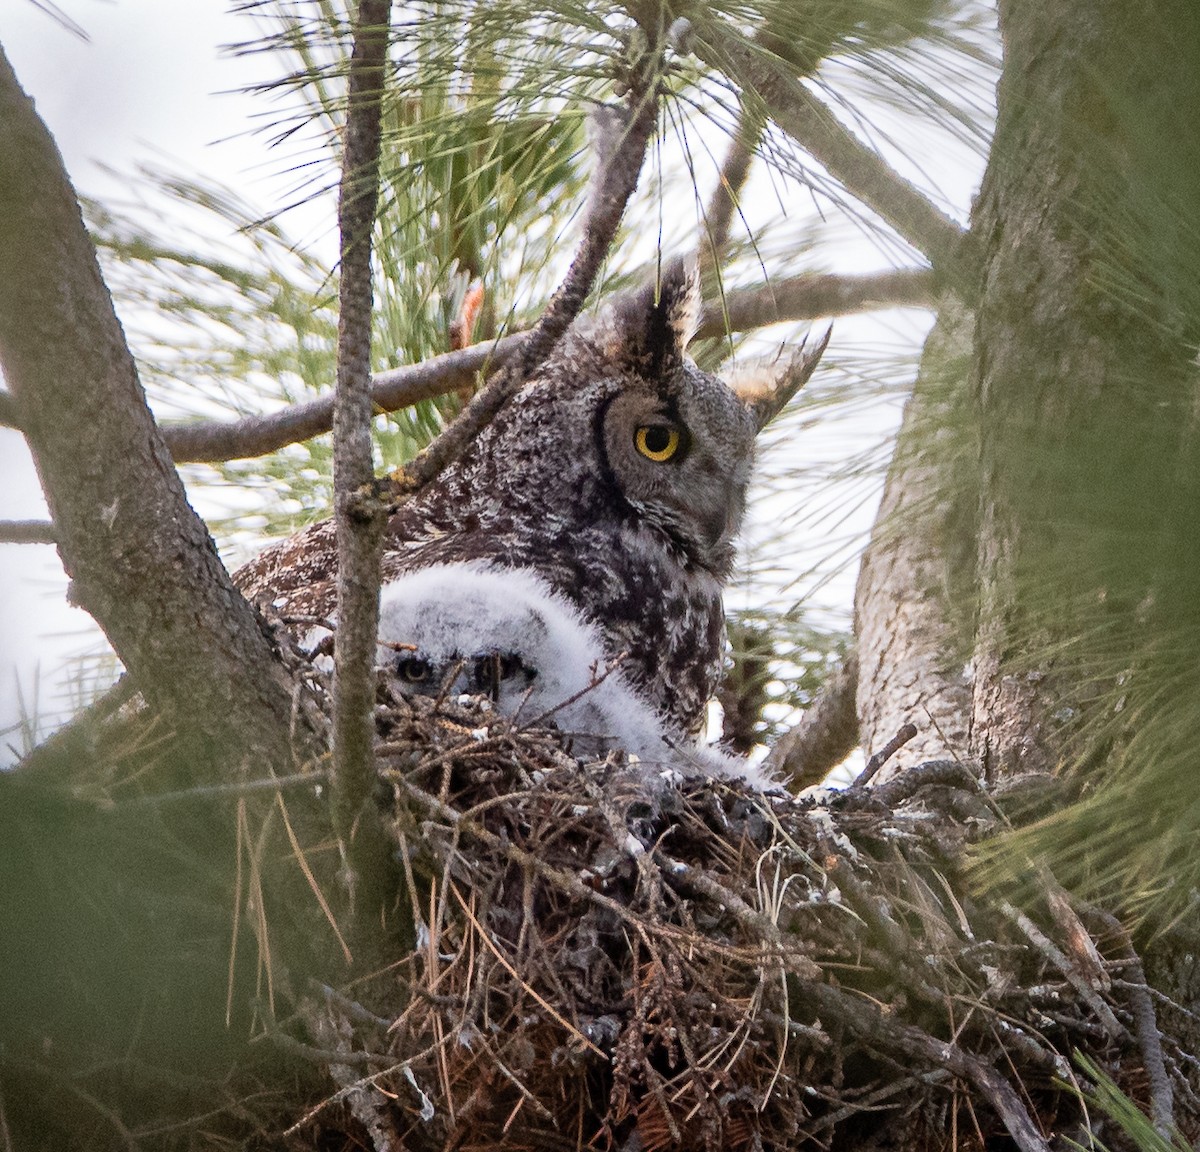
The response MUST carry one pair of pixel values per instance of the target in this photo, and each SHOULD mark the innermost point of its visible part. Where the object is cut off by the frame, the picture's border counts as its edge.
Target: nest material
(610, 961)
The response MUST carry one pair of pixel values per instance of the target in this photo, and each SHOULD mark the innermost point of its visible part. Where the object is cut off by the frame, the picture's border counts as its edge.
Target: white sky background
(153, 84)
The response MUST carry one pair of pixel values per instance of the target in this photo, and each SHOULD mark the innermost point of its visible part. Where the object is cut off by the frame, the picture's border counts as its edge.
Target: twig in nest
(949, 773)
(699, 881)
(1063, 963)
(1162, 1097)
(884, 755)
(910, 1042)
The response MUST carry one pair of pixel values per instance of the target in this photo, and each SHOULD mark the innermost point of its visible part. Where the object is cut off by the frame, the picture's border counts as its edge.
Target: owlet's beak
(765, 387)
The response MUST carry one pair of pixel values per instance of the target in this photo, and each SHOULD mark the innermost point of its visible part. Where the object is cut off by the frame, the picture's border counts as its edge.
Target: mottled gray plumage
(617, 474)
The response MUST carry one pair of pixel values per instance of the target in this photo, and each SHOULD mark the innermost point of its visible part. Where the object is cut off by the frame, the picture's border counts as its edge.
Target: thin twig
(906, 733)
(221, 791)
(360, 515)
(718, 217)
(700, 882)
(1162, 1098)
(326, 1056)
(27, 532)
(616, 178)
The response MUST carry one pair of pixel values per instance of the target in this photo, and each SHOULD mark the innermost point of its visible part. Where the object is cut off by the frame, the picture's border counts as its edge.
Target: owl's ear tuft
(765, 386)
(650, 328)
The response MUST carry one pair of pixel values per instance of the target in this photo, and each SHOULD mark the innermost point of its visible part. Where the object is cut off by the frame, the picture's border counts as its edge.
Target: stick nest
(607, 959)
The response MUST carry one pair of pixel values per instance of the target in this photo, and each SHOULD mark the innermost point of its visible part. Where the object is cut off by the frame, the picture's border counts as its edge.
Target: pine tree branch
(718, 217)
(623, 148)
(359, 514)
(141, 561)
(27, 532)
(812, 296)
(390, 391)
(809, 296)
(825, 734)
(859, 168)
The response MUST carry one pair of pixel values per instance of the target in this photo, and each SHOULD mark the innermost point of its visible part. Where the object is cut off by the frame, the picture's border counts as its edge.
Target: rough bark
(913, 653)
(360, 515)
(141, 561)
(1081, 373)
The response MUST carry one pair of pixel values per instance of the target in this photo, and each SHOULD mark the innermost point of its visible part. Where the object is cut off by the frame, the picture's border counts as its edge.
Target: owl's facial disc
(679, 454)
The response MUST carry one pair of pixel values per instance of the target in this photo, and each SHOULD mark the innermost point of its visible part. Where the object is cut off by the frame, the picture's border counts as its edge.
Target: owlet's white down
(504, 634)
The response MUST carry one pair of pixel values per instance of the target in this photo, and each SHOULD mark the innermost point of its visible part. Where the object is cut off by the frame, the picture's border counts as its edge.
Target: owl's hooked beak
(766, 387)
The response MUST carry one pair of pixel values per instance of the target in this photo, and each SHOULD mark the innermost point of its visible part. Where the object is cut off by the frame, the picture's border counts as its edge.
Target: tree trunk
(913, 651)
(1082, 374)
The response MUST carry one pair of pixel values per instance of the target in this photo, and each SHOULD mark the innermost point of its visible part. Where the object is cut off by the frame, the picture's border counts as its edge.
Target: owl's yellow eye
(657, 442)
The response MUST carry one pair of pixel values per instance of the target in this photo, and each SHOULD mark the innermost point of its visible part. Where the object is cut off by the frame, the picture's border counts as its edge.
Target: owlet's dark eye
(413, 670)
(657, 442)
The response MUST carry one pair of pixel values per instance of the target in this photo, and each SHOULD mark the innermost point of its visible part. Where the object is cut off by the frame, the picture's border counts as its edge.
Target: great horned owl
(504, 634)
(617, 475)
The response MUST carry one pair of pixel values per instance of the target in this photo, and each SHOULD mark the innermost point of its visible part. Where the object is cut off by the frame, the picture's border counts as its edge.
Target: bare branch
(620, 165)
(863, 172)
(141, 561)
(902, 737)
(392, 390)
(8, 411)
(27, 532)
(811, 296)
(824, 735)
(805, 297)
(718, 218)
(359, 514)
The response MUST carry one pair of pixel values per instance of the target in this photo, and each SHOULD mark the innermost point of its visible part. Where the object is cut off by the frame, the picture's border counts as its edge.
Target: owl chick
(505, 634)
(616, 476)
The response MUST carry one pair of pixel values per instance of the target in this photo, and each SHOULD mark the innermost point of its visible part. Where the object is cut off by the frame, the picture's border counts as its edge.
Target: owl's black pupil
(413, 669)
(658, 437)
